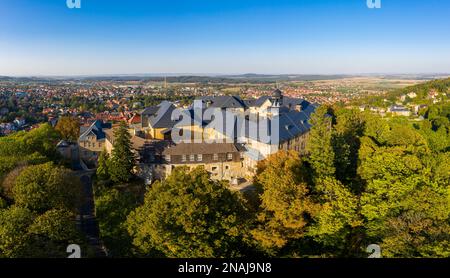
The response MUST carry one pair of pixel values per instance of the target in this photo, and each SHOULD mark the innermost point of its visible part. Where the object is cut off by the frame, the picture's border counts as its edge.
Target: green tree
(42, 140)
(420, 229)
(122, 161)
(102, 168)
(14, 223)
(69, 128)
(349, 128)
(51, 233)
(338, 222)
(406, 202)
(286, 205)
(25, 234)
(112, 208)
(33, 147)
(189, 216)
(320, 149)
(46, 186)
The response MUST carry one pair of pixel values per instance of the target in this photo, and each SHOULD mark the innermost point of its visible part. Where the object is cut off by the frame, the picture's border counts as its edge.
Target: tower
(277, 98)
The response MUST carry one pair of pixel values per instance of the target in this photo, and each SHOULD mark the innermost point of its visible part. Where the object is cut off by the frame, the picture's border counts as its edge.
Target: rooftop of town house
(203, 148)
(97, 129)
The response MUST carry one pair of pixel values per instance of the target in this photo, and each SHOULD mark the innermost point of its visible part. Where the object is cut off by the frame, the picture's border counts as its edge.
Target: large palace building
(259, 128)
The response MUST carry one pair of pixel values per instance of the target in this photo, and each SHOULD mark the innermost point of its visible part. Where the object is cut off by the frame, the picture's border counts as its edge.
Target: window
(230, 156)
(215, 157)
(168, 158)
(183, 158)
(199, 157)
(192, 157)
(214, 168)
(227, 167)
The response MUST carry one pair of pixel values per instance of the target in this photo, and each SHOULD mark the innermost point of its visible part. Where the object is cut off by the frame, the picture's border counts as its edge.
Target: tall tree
(69, 128)
(189, 216)
(102, 168)
(112, 208)
(122, 161)
(350, 126)
(321, 153)
(338, 223)
(286, 205)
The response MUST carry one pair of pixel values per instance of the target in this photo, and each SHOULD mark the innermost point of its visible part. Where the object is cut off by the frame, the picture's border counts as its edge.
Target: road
(87, 221)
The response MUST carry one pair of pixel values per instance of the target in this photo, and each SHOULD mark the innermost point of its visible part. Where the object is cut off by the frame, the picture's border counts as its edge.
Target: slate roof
(136, 142)
(291, 124)
(260, 101)
(202, 148)
(225, 101)
(277, 93)
(160, 116)
(95, 128)
(285, 101)
(292, 102)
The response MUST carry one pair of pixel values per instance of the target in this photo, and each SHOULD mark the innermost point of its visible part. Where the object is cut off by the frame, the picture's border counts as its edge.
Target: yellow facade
(218, 170)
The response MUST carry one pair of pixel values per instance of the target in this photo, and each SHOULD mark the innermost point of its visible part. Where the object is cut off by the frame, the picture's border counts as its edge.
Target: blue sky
(44, 37)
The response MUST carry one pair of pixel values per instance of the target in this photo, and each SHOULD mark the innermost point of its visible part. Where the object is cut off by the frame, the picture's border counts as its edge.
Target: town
(264, 136)
(132, 173)
(24, 104)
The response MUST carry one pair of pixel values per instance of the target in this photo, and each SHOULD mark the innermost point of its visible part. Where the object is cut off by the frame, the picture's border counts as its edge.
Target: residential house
(399, 110)
(157, 121)
(92, 141)
(224, 161)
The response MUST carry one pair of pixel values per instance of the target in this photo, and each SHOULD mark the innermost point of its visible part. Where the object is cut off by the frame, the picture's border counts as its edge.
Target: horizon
(231, 75)
(113, 37)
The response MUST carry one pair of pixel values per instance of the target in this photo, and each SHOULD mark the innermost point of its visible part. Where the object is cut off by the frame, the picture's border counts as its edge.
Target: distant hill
(416, 94)
(204, 79)
(422, 91)
(244, 78)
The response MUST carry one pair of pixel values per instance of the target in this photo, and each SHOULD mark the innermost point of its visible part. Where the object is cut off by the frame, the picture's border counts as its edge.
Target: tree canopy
(122, 161)
(46, 186)
(69, 128)
(286, 202)
(188, 215)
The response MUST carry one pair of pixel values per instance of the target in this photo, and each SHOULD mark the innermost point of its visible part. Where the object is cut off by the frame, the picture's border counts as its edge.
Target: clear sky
(44, 37)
